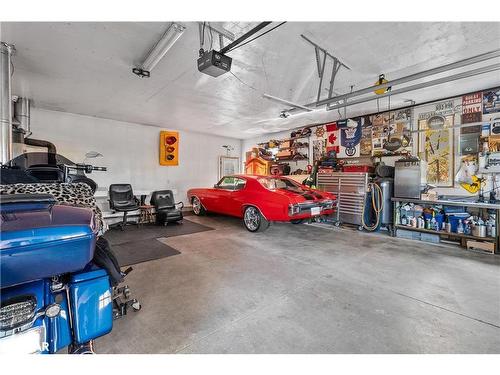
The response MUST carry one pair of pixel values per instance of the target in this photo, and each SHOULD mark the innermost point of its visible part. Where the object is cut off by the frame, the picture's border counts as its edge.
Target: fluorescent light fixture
(160, 49)
(287, 102)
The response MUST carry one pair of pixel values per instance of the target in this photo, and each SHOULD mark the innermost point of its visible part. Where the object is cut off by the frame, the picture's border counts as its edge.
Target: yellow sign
(474, 187)
(169, 148)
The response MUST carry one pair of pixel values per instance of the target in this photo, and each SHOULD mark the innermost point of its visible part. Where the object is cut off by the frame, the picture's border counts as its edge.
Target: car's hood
(300, 194)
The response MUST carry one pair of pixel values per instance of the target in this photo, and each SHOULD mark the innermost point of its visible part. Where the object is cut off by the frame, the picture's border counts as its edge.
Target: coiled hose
(377, 205)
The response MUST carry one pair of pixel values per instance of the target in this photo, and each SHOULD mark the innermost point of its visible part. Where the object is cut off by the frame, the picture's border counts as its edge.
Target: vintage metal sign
(445, 108)
(472, 108)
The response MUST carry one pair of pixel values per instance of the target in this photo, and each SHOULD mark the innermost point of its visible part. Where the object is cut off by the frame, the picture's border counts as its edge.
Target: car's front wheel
(254, 221)
(198, 208)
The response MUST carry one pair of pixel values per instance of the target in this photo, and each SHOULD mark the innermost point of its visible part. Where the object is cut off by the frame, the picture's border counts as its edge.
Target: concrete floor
(304, 289)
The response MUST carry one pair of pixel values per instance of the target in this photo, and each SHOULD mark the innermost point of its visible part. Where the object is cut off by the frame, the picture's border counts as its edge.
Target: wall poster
(436, 147)
(318, 149)
(391, 132)
(491, 101)
(332, 137)
(350, 138)
(366, 137)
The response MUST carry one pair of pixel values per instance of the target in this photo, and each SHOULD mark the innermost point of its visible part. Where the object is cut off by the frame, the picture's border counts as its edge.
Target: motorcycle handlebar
(88, 168)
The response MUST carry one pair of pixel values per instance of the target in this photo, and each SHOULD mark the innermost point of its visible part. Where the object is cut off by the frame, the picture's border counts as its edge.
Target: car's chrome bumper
(312, 208)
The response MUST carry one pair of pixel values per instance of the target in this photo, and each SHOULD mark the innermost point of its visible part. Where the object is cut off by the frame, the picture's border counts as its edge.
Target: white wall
(131, 151)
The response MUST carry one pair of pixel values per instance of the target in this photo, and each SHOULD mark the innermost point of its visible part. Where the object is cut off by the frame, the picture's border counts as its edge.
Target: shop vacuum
(377, 210)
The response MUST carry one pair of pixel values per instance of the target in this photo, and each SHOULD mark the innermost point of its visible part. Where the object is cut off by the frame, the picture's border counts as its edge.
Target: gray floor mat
(133, 233)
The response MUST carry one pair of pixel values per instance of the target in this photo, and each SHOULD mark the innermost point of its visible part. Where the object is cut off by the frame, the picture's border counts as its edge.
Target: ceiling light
(159, 50)
(287, 102)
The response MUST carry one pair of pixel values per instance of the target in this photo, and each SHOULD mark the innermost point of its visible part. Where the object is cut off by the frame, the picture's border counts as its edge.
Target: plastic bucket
(453, 220)
(440, 218)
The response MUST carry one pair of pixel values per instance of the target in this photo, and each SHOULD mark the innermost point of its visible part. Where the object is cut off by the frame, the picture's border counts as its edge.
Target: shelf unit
(285, 140)
(291, 147)
(444, 233)
(451, 235)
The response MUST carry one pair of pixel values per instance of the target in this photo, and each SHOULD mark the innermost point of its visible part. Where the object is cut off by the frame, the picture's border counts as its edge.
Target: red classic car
(262, 199)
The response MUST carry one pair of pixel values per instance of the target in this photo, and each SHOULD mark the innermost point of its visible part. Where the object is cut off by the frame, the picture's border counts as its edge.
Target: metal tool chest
(350, 189)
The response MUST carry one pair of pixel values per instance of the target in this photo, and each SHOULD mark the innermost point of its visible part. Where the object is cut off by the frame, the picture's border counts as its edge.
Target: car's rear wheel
(198, 208)
(254, 221)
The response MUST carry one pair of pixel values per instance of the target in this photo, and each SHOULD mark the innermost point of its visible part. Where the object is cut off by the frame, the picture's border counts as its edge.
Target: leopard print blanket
(72, 194)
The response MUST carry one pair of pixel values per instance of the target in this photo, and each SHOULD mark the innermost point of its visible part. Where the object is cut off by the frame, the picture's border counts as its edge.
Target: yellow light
(381, 81)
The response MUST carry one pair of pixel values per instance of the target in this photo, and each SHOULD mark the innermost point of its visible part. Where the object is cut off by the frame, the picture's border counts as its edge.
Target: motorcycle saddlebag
(91, 304)
(40, 239)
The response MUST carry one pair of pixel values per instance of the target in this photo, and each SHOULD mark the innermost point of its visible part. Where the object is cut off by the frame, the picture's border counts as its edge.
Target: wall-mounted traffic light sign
(169, 148)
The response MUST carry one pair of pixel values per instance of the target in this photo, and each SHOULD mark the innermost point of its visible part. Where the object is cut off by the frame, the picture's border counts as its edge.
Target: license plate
(315, 211)
(27, 342)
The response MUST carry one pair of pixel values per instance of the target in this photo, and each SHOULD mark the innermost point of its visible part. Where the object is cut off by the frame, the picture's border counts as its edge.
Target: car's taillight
(293, 209)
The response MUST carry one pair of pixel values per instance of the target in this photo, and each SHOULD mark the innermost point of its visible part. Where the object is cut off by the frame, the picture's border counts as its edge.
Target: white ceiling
(85, 68)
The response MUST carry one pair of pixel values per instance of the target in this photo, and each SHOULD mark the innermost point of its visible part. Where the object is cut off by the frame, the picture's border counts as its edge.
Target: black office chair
(167, 210)
(122, 199)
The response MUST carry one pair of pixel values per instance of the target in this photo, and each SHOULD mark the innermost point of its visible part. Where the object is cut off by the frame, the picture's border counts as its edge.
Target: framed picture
(436, 147)
(228, 165)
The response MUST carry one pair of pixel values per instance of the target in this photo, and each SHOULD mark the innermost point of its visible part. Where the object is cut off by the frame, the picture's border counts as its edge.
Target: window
(239, 184)
(277, 183)
(231, 183)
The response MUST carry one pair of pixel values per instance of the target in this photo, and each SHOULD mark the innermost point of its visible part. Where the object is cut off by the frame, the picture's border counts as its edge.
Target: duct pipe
(22, 109)
(51, 148)
(455, 77)
(6, 51)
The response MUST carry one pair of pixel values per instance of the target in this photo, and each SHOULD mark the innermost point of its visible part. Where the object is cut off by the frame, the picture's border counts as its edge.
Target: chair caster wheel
(136, 306)
(337, 224)
(360, 228)
(126, 292)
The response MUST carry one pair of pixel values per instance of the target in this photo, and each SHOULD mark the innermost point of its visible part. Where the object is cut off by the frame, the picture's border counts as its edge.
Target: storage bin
(453, 209)
(454, 219)
(440, 218)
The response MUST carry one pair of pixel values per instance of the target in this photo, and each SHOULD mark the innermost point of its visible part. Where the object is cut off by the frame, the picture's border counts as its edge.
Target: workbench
(441, 202)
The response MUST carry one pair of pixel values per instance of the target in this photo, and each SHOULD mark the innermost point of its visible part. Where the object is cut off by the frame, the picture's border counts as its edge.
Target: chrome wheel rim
(196, 206)
(252, 218)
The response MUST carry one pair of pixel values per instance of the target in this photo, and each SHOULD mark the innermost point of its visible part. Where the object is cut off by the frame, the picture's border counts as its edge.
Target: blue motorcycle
(59, 281)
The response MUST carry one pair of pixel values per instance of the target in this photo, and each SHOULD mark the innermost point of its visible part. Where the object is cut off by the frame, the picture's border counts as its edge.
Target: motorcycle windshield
(33, 159)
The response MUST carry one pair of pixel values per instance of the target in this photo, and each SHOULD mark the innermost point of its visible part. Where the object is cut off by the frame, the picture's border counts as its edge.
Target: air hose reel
(377, 203)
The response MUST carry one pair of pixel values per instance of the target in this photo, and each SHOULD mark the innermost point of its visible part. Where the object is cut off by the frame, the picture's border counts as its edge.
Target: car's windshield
(273, 183)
